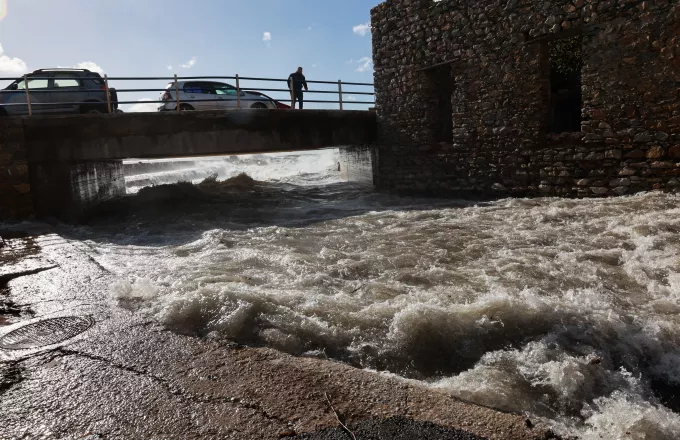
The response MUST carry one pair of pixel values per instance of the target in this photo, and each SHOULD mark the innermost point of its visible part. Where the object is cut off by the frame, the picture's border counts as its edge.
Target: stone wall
(497, 53)
(15, 189)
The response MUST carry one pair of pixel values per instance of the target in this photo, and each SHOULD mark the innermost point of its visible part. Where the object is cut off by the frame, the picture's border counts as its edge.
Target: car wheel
(258, 105)
(186, 107)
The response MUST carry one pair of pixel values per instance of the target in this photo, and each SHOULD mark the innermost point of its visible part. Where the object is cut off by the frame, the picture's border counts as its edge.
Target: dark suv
(57, 91)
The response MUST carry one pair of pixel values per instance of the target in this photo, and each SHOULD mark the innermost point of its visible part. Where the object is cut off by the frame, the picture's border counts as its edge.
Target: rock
(655, 152)
(661, 136)
(635, 154)
(23, 188)
(642, 138)
(511, 4)
(619, 182)
(663, 164)
(595, 156)
(599, 190)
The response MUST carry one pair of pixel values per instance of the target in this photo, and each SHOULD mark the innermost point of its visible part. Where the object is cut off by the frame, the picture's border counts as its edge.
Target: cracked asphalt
(128, 378)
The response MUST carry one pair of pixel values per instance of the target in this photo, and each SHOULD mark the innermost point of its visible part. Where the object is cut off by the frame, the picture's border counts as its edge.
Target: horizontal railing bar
(242, 89)
(335, 92)
(61, 90)
(92, 103)
(172, 79)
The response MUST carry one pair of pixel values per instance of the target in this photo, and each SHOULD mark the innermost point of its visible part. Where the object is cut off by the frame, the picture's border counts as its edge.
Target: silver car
(210, 95)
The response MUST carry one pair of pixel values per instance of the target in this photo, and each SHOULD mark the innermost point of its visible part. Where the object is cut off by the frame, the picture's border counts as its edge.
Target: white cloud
(351, 98)
(350, 61)
(143, 107)
(11, 66)
(190, 64)
(89, 65)
(267, 36)
(365, 64)
(362, 29)
(309, 28)
(169, 67)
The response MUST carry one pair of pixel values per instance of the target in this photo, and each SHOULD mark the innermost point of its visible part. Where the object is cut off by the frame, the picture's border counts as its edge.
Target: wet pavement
(125, 377)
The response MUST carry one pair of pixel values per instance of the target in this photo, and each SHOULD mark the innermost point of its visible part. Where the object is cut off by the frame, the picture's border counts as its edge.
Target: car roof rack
(68, 69)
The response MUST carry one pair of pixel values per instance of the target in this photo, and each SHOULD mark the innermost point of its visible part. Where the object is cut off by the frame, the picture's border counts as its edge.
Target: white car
(210, 95)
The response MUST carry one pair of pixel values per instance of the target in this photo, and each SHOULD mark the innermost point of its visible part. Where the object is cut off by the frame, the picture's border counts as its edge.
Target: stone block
(619, 182)
(635, 154)
(599, 190)
(656, 152)
(662, 164)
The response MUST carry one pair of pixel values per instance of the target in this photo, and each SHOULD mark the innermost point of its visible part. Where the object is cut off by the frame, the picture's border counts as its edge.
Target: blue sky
(260, 38)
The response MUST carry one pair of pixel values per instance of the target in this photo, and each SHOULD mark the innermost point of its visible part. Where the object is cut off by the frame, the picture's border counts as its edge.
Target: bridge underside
(61, 166)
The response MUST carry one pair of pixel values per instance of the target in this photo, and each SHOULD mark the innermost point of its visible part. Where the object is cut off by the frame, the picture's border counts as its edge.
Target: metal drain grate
(45, 332)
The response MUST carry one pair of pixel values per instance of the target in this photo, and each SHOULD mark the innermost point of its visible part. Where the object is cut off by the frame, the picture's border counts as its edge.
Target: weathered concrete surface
(15, 185)
(356, 164)
(68, 191)
(128, 377)
(163, 135)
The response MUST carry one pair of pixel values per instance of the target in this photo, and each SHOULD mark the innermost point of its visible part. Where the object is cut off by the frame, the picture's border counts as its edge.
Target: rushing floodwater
(563, 309)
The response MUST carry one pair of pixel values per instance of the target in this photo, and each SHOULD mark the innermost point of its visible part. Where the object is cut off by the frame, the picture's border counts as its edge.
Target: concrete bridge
(61, 166)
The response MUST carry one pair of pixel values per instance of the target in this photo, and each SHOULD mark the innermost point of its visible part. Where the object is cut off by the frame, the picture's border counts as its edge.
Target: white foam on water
(311, 168)
(567, 310)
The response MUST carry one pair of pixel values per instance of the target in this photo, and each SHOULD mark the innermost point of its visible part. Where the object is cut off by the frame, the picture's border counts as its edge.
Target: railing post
(238, 93)
(340, 92)
(292, 92)
(28, 96)
(108, 93)
(177, 93)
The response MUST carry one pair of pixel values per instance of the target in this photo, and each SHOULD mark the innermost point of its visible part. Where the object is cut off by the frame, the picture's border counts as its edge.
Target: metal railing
(241, 95)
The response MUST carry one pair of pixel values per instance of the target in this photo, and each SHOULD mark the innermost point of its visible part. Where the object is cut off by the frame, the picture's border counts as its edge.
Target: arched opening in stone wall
(439, 92)
(566, 62)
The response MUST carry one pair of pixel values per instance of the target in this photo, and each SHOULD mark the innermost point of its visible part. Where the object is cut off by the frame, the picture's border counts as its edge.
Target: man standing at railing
(296, 81)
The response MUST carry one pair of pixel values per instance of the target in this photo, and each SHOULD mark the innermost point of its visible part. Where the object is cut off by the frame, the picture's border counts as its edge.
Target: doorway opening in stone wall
(439, 87)
(566, 62)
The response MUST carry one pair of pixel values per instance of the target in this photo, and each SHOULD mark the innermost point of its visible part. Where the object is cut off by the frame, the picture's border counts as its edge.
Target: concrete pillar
(66, 191)
(357, 164)
(15, 189)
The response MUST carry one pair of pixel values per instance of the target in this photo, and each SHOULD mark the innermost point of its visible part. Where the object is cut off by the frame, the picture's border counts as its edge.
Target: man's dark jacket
(298, 81)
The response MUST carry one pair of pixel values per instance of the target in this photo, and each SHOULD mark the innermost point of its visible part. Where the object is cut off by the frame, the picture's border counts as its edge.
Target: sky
(330, 39)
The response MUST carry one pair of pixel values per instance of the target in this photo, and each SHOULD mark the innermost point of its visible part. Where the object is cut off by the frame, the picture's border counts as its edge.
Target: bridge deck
(79, 138)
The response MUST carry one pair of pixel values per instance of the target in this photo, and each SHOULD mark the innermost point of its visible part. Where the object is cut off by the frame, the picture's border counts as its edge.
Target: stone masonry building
(472, 96)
